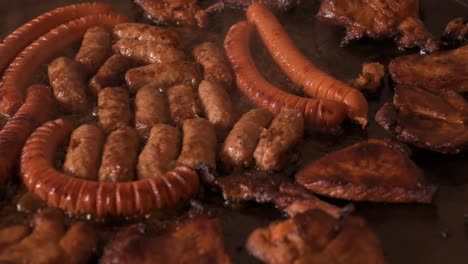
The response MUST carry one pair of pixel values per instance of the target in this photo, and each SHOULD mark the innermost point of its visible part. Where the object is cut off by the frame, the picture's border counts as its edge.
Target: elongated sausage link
(240, 144)
(114, 109)
(111, 73)
(119, 156)
(217, 105)
(319, 114)
(215, 65)
(68, 82)
(18, 75)
(300, 70)
(145, 32)
(95, 49)
(84, 152)
(182, 103)
(160, 152)
(151, 108)
(147, 52)
(38, 108)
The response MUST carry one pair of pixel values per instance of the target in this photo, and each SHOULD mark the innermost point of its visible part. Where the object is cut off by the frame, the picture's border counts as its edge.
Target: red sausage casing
(95, 49)
(111, 73)
(114, 108)
(217, 105)
(151, 108)
(182, 103)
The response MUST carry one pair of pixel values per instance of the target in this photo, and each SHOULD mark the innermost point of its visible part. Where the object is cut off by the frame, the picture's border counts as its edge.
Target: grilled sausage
(145, 32)
(215, 65)
(84, 152)
(182, 103)
(163, 75)
(199, 144)
(160, 152)
(240, 144)
(146, 52)
(95, 49)
(111, 73)
(119, 156)
(114, 109)
(275, 146)
(217, 105)
(151, 108)
(68, 82)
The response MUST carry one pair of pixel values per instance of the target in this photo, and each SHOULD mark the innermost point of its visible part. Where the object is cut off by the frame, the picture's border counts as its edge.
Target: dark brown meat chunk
(145, 32)
(48, 242)
(217, 106)
(457, 31)
(215, 66)
(114, 109)
(379, 19)
(95, 49)
(371, 77)
(443, 70)
(110, 74)
(316, 237)
(374, 170)
(430, 120)
(276, 5)
(147, 52)
(183, 103)
(151, 108)
(198, 241)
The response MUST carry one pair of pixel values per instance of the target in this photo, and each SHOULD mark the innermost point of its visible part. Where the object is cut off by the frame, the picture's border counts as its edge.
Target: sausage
(84, 152)
(160, 152)
(240, 144)
(98, 199)
(145, 32)
(215, 65)
(95, 49)
(119, 156)
(19, 73)
(68, 81)
(151, 108)
(274, 149)
(319, 114)
(182, 103)
(111, 73)
(163, 75)
(199, 144)
(147, 52)
(114, 109)
(301, 71)
(217, 105)
(38, 108)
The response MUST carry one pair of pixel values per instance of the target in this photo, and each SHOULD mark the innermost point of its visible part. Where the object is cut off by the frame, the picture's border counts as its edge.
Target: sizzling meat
(374, 170)
(457, 31)
(444, 70)
(316, 237)
(371, 77)
(277, 5)
(379, 19)
(198, 241)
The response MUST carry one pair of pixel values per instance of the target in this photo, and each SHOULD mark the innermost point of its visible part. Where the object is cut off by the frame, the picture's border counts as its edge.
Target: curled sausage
(151, 108)
(114, 109)
(68, 82)
(313, 81)
(199, 144)
(145, 32)
(147, 52)
(111, 73)
(119, 156)
(99, 199)
(95, 49)
(19, 73)
(318, 113)
(160, 152)
(240, 144)
(182, 103)
(38, 108)
(84, 152)
(274, 149)
(217, 105)
(27, 33)
(215, 65)
(163, 75)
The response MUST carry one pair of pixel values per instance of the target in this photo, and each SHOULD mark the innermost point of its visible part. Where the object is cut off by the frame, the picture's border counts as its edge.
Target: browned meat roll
(147, 52)
(182, 103)
(217, 105)
(111, 73)
(146, 32)
(215, 65)
(151, 108)
(114, 109)
(95, 49)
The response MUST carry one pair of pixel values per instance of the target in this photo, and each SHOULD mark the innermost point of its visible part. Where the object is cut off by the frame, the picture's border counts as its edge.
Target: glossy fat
(215, 65)
(68, 82)
(95, 49)
(182, 103)
(120, 156)
(114, 109)
(151, 108)
(111, 73)
(84, 152)
(160, 152)
(145, 32)
(147, 52)
(217, 105)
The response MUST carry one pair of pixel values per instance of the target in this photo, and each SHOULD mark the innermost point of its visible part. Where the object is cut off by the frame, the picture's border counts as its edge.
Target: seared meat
(379, 19)
(431, 120)
(111, 73)
(147, 52)
(371, 77)
(316, 237)
(145, 32)
(198, 241)
(114, 110)
(374, 170)
(444, 70)
(48, 242)
(457, 31)
(277, 5)
(215, 65)
(151, 108)
(217, 106)
(95, 49)
(183, 103)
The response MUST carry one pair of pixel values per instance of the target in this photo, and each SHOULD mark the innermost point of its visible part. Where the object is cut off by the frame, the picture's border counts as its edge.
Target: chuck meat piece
(145, 32)
(371, 77)
(198, 240)
(276, 5)
(48, 241)
(215, 66)
(457, 31)
(316, 237)
(374, 170)
(147, 52)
